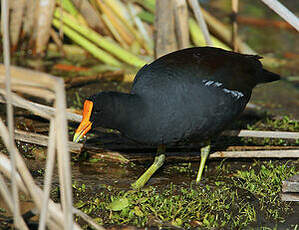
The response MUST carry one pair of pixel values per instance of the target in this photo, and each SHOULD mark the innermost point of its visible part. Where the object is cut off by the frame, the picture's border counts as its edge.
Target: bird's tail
(268, 76)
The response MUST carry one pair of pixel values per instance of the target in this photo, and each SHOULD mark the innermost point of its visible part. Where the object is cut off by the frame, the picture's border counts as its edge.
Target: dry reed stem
(164, 25)
(16, 18)
(181, 23)
(262, 134)
(117, 24)
(148, 43)
(256, 154)
(64, 168)
(33, 91)
(43, 140)
(35, 108)
(44, 21)
(57, 40)
(235, 6)
(283, 12)
(29, 77)
(36, 193)
(201, 21)
(29, 17)
(9, 201)
(38, 109)
(5, 168)
(48, 175)
(224, 33)
(9, 110)
(92, 17)
(88, 219)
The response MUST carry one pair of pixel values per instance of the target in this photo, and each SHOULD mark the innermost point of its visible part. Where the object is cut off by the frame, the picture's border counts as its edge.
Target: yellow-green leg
(204, 152)
(159, 160)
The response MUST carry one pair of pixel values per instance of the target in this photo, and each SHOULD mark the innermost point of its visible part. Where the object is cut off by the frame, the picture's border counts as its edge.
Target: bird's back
(192, 94)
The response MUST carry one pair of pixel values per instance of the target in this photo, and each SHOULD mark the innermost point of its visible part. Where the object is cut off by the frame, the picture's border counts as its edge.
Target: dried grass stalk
(29, 18)
(235, 7)
(117, 24)
(283, 12)
(16, 18)
(181, 23)
(9, 110)
(223, 33)
(28, 77)
(35, 192)
(201, 21)
(164, 24)
(44, 20)
(9, 201)
(256, 154)
(91, 15)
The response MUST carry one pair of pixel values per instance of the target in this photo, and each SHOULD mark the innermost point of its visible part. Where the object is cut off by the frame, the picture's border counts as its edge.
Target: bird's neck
(118, 109)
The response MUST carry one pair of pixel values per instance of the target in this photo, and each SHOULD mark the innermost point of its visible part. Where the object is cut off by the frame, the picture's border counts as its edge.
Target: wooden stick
(256, 154)
(45, 15)
(289, 197)
(148, 43)
(221, 30)
(91, 15)
(9, 111)
(181, 23)
(34, 190)
(235, 6)
(291, 184)
(262, 134)
(87, 218)
(29, 18)
(38, 109)
(164, 25)
(283, 12)
(201, 21)
(48, 175)
(64, 169)
(9, 201)
(5, 168)
(57, 41)
(74, 81)
(28, 77)
(43, 140)
(33, 91)
(17, 9)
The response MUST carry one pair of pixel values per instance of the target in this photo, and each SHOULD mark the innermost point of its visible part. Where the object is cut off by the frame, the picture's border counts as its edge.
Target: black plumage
(188, 95)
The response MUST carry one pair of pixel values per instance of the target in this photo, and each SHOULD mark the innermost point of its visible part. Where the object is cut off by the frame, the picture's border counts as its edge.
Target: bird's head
(97, 111)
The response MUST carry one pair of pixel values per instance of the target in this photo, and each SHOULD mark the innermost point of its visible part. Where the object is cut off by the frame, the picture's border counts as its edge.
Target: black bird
(188, 95)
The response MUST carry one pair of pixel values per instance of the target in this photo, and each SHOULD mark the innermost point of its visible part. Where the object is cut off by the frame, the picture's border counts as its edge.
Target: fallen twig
(291, 184)
(256, 154)
(263, 134)
(43, 140)
(74, 81)
(38, 109)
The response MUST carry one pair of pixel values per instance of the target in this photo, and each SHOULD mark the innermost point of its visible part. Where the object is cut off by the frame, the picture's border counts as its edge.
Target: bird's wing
(201, 63)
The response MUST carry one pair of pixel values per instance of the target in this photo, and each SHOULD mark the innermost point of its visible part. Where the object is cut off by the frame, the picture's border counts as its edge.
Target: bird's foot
(159, 160)
(204, 151)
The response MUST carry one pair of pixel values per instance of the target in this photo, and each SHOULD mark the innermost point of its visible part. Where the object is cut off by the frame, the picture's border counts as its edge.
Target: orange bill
(85, 124)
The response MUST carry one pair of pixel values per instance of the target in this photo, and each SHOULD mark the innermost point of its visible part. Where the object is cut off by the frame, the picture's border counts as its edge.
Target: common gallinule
(188, 95)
